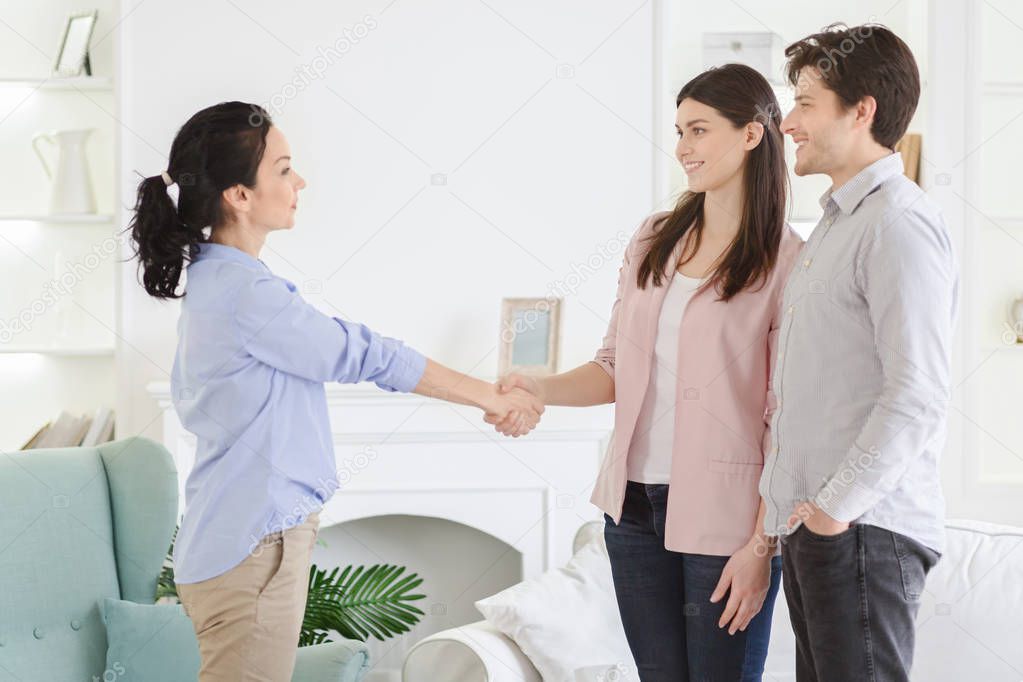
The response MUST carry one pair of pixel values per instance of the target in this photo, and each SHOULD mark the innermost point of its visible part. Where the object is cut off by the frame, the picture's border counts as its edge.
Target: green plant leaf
(358, 603)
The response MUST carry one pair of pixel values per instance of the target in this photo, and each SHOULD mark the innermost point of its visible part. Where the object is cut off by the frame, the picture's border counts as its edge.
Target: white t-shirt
(649, 458)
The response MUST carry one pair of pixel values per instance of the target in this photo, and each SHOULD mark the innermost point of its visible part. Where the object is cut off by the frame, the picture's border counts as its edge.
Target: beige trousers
(248, 619)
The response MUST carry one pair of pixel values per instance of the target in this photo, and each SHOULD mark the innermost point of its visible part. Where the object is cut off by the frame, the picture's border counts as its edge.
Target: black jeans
(853, 599)
(664, 601)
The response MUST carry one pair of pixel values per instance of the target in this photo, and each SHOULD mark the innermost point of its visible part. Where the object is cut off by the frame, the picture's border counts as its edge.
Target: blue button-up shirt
(248, 379)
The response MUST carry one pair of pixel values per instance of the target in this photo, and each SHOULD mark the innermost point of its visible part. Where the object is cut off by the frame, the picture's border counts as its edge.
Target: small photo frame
(530, 336)
(909, 146)
(73, 53)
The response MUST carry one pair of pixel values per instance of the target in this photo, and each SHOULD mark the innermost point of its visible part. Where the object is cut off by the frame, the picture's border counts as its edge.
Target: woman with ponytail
(687, 360)
(248, 380)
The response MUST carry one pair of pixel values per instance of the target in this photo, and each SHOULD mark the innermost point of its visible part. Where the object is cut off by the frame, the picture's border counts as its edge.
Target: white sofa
(970, 626)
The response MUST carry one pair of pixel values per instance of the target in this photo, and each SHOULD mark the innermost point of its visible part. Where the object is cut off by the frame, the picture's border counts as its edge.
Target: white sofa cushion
(970, 625)
(567, 620)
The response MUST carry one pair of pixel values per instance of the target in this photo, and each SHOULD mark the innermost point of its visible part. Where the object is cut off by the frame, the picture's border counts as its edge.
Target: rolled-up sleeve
(605, 356)
(908, 278)
(279, 328)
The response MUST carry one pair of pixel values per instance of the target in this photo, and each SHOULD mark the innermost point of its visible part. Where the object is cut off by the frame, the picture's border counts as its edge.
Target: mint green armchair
(78, 525)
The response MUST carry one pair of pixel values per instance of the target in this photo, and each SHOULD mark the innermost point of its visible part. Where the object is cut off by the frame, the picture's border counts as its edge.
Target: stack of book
(71, 431)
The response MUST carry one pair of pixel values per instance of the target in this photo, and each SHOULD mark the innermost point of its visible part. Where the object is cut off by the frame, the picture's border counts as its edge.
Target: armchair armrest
(477, 652)
(341, 661)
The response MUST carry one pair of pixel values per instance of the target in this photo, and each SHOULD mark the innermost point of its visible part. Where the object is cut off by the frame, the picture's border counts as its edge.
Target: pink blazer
(724, 404)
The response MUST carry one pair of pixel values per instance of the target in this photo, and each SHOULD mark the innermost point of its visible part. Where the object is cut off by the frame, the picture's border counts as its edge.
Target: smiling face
(822, 128)
(272, 203)
(711, 150)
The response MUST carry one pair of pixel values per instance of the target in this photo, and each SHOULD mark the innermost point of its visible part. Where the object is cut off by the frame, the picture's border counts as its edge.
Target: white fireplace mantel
(402, 453)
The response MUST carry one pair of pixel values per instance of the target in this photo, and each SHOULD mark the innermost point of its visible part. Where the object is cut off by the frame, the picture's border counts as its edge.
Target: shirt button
(791, 308)
(806, 263)
(774, 450)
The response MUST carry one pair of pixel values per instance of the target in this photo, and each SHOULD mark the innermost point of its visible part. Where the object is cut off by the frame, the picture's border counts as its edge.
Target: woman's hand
(747, 578)
(513, 410)
(511, 423)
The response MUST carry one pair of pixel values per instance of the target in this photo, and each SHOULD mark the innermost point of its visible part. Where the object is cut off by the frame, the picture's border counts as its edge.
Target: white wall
(540, 170)
(977, 128)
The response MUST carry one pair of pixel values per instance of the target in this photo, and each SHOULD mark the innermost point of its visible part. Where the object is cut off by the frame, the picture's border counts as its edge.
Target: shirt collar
(207, 250)
(849, 195)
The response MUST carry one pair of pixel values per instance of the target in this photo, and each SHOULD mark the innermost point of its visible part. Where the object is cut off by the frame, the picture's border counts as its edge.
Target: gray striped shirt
(862, 372)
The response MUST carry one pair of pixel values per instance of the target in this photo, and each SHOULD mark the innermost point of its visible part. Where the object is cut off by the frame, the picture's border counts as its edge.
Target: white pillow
(566, 620)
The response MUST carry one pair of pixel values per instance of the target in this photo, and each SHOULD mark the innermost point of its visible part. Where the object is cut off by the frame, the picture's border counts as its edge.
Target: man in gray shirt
(861, 378)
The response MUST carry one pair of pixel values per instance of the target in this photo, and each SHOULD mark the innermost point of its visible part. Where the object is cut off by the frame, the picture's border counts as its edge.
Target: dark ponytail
(217, 148)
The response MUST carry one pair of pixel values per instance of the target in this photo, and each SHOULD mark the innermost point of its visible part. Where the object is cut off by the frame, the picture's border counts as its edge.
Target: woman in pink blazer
(687, 361)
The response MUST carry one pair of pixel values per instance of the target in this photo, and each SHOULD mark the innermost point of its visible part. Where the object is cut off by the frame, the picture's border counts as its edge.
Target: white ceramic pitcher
(72, 187)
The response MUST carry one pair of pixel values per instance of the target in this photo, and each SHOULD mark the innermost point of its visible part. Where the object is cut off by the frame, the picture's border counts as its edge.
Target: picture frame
(909, 146)
(73, 52)
(530, 336)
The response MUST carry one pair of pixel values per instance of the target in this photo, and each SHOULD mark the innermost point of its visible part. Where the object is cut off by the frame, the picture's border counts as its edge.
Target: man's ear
(865, 110)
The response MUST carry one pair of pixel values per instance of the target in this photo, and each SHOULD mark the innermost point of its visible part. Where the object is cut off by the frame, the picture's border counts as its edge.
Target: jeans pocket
(827, 538)
(912, 566)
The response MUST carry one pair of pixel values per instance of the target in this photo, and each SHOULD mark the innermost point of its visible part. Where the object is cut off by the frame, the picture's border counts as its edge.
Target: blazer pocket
(733, 467)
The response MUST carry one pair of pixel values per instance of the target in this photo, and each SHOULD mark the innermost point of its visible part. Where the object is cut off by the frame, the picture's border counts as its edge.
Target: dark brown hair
(860, 61)
(741, 95)
(218, 147)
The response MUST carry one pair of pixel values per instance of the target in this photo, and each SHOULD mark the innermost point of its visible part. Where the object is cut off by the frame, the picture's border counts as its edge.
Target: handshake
(515, 407)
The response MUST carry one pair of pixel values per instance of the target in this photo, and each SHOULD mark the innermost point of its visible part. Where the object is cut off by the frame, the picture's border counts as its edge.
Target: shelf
(95, 351)
(61, 83)
(90, 218)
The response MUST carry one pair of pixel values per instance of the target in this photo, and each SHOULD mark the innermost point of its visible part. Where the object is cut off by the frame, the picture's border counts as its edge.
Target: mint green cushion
(149, 642)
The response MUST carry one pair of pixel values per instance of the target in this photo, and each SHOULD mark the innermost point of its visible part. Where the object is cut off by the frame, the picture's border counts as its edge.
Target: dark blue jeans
(664, 600)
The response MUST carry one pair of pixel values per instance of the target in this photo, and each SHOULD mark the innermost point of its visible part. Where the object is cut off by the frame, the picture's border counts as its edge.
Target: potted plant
(360, 602)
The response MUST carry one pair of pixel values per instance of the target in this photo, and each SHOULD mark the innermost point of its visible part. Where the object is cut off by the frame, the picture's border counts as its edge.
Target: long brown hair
(741, 95)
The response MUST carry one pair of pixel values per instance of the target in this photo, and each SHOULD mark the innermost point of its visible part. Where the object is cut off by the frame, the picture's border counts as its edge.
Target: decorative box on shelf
(760, 50)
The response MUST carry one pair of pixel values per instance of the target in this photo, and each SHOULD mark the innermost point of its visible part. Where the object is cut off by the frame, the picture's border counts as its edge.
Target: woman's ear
(754, 133)
(237, 198)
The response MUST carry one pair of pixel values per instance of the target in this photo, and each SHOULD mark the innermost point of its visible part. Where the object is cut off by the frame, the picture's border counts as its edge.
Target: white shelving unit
(85, 218)
(60, 83)
(58, 302)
